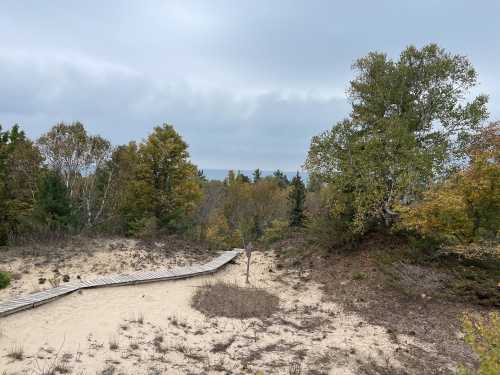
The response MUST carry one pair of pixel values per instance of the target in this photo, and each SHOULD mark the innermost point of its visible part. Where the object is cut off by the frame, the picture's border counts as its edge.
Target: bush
(483, 335)
(277, 230)
(5, 278)
(145, 228)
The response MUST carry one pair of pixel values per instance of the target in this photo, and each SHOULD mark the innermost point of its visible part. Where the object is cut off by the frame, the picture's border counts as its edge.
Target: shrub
(483, 335)
(5, 278)
(277, 230)
(145, 228)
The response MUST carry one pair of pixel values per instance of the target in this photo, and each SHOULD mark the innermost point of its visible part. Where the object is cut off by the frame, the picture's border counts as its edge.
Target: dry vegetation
(232, 301)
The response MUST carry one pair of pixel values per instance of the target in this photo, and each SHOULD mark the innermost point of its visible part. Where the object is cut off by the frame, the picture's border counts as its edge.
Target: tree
(257, 175)
(53, 203)
(242, 178)
(79, 159)
(213, 196)
(409, 126)
(296, 199)
(19, 168)
(231, 178)
(164, 183)
(281, 179)
(466, 206)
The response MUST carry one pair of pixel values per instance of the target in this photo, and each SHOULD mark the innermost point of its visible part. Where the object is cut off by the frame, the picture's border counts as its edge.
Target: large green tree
(409, 126)
(162, 184)
(19, 169)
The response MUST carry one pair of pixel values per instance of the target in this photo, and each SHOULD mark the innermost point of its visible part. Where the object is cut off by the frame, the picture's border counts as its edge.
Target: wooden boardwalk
(36, 299)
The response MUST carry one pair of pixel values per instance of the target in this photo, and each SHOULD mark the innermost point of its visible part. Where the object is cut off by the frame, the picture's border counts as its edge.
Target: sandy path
(76, 331)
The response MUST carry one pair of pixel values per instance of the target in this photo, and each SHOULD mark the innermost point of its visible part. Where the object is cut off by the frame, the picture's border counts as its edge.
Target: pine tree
(53, 204)
(297, 197)
(257, 175)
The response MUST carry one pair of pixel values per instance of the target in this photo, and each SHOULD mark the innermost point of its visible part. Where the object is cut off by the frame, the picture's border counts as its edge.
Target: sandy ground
(35, 267)
(156, 331)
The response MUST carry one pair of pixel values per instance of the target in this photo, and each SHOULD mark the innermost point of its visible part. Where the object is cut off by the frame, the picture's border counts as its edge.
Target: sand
(87, 259)
(76, 332)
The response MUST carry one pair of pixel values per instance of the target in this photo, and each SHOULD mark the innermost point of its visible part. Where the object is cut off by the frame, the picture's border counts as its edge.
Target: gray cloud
(246, 83)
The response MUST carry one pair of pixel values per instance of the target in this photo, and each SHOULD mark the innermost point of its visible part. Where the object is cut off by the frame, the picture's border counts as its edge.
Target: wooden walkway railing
(36, 299)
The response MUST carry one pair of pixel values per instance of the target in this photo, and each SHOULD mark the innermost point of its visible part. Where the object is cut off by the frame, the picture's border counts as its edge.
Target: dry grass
(113, 343)
(232, 301)
(16, 352)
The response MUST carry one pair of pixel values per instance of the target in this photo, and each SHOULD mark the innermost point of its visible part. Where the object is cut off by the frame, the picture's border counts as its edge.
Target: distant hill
(220, 174)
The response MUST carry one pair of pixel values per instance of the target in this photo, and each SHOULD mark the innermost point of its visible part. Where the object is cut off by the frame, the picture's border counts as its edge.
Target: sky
(246, 83)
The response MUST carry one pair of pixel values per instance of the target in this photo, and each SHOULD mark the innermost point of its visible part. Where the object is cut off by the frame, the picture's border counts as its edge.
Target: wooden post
(248, 252)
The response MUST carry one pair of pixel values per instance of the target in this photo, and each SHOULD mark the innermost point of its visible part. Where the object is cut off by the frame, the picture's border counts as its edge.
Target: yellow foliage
(219, 232)
(443, 212)
(467, 206)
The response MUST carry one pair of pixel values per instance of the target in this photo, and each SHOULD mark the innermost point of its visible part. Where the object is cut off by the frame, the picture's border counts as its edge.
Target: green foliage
(160, 181)
(483, 335)
(276, 231)
(145, 228)
(238, 211)
(79, 159)
(4, 279)
(281, 179)
(137, 189)
(53, 204)
(19, 169)
(257, 175)
(296, 199)
(408, 126)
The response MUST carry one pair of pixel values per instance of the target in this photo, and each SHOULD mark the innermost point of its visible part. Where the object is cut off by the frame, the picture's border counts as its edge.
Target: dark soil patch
(232, 301)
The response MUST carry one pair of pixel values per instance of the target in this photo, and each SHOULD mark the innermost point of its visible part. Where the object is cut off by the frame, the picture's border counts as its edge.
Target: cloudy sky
(246, 83)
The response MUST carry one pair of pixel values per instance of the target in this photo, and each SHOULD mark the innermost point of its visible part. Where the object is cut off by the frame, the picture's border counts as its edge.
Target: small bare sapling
(248, 252)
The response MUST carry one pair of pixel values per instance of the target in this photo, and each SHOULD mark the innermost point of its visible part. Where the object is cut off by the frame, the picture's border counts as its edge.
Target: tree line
(414, 156)
(69, 181)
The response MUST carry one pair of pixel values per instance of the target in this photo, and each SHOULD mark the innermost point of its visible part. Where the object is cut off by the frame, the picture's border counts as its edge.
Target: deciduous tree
(409, 126)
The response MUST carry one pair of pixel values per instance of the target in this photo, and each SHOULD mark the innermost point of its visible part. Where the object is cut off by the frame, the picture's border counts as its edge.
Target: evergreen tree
(257, 175)
(53, 204)
(297, 197)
